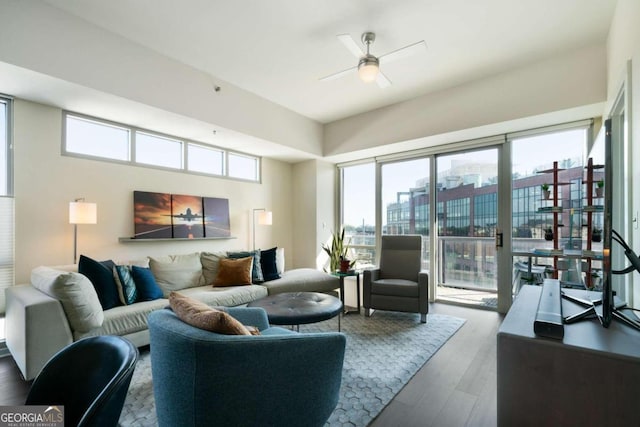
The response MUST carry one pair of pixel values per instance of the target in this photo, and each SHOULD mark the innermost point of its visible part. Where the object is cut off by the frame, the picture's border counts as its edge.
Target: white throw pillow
(280, 260)
(176, 272)
(76, 294)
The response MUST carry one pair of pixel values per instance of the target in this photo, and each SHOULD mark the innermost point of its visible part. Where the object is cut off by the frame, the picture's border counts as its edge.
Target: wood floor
(457, 387)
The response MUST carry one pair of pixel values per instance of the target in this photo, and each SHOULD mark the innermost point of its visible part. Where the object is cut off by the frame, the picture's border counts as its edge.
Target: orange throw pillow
(234, 272)
(200, 315)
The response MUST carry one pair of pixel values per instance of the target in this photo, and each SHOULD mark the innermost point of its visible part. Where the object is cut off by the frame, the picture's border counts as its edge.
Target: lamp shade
(83, 213)
(265, 218)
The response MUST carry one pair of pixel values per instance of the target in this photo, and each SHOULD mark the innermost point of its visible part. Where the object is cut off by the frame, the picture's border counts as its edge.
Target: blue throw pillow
(256, 272)
(146, 285)
(127, 291)
(268, 264)
(101, 276)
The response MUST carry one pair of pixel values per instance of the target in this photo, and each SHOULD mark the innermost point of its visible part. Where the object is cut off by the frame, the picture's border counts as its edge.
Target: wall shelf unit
(565, 257)
(134, 240)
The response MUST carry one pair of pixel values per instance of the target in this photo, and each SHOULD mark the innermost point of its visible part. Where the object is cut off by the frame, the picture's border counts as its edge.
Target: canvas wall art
(152, 215)
(187, 217)
(162, 216)
(216, 217)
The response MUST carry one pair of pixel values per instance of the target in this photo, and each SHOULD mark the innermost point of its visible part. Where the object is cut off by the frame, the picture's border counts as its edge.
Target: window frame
(133, 131)
(7, 196)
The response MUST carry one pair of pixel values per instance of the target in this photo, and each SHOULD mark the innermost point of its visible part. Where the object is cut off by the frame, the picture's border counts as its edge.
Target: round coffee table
(299, 308)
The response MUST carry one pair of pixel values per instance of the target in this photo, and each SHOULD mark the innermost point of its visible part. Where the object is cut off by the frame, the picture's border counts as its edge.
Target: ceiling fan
(369, 65)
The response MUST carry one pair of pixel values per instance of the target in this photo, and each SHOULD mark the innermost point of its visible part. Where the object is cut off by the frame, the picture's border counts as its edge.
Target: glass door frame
(503, 226)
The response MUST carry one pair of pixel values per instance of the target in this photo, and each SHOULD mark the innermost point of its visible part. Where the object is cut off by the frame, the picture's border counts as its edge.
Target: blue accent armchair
(280, 377)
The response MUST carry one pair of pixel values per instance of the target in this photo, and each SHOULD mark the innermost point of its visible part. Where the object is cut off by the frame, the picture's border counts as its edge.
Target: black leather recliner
(90, 377)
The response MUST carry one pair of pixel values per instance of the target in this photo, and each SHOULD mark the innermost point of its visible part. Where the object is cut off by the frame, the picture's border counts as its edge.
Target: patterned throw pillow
(126, 285)
(234, 272)
(200, 315)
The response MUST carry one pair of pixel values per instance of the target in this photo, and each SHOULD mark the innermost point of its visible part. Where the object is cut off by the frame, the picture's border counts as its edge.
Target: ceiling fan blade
(403, 52)
(338, 74)
(351, 45)
(382, 80)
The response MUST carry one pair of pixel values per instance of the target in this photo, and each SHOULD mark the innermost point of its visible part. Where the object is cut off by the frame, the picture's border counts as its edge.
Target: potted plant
(596, 234)
(599, 188)
(548, 233)
(337, 252)
(545, 191)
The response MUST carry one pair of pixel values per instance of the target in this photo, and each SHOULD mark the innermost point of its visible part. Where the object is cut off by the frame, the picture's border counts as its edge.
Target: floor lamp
(265, 217)
(81, 212)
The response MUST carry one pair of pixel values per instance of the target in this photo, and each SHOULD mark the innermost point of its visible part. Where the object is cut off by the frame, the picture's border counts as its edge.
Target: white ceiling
(278, 49)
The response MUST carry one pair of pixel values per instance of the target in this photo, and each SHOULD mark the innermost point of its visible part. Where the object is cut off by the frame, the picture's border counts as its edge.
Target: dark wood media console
(590, 377)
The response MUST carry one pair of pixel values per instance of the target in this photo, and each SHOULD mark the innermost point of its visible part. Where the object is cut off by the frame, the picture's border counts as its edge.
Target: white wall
(45, 182)
(39, 37)
(623, 45)
(568, 81)
(313, 211)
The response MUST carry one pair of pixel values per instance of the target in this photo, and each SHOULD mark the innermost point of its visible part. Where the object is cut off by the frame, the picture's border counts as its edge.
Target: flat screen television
(612, 242)
(607, 226)
(614, 248)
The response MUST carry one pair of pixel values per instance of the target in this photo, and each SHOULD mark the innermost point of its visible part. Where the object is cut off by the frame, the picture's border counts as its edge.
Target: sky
(528, 154)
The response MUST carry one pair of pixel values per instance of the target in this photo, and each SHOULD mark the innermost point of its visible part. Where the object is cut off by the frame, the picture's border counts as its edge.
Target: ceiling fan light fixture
(368, 68)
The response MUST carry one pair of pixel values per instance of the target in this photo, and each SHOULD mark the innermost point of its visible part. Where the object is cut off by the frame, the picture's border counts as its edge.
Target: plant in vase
(337, 252)
(546, 193)
(599, 188)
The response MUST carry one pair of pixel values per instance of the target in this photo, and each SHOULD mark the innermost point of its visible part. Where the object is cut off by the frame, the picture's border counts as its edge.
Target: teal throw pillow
(146, 285)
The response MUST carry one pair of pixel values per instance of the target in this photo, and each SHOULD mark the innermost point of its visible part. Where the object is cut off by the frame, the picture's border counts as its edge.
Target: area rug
(383, 353)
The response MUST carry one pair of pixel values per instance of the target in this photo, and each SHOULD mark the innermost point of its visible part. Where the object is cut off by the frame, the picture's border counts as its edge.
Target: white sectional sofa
(60, 305)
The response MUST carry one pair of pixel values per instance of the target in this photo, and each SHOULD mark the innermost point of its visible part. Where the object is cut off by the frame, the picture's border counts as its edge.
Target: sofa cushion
(303, 280)
(146, 286)
(177, 272)
(229, 296)
(76, 294)
(125, 284)
(125, 320)
(234, 272)
(268, 264)
(256, 270)
(210, 262)
(101, 276)
(200, 315)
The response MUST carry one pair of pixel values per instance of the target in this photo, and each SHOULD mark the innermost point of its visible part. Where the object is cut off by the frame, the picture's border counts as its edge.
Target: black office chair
(90, 378)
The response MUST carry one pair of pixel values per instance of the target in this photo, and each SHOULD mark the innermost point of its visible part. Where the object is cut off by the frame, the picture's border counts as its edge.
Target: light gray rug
(383, 353)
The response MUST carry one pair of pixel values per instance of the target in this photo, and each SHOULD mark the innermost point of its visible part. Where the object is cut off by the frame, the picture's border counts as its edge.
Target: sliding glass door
(467, 222)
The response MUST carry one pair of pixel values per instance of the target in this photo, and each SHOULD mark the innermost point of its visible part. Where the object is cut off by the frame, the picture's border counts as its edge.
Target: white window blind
(6, 247)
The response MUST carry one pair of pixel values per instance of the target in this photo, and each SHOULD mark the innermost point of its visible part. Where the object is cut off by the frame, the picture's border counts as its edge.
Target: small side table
(341, 276)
